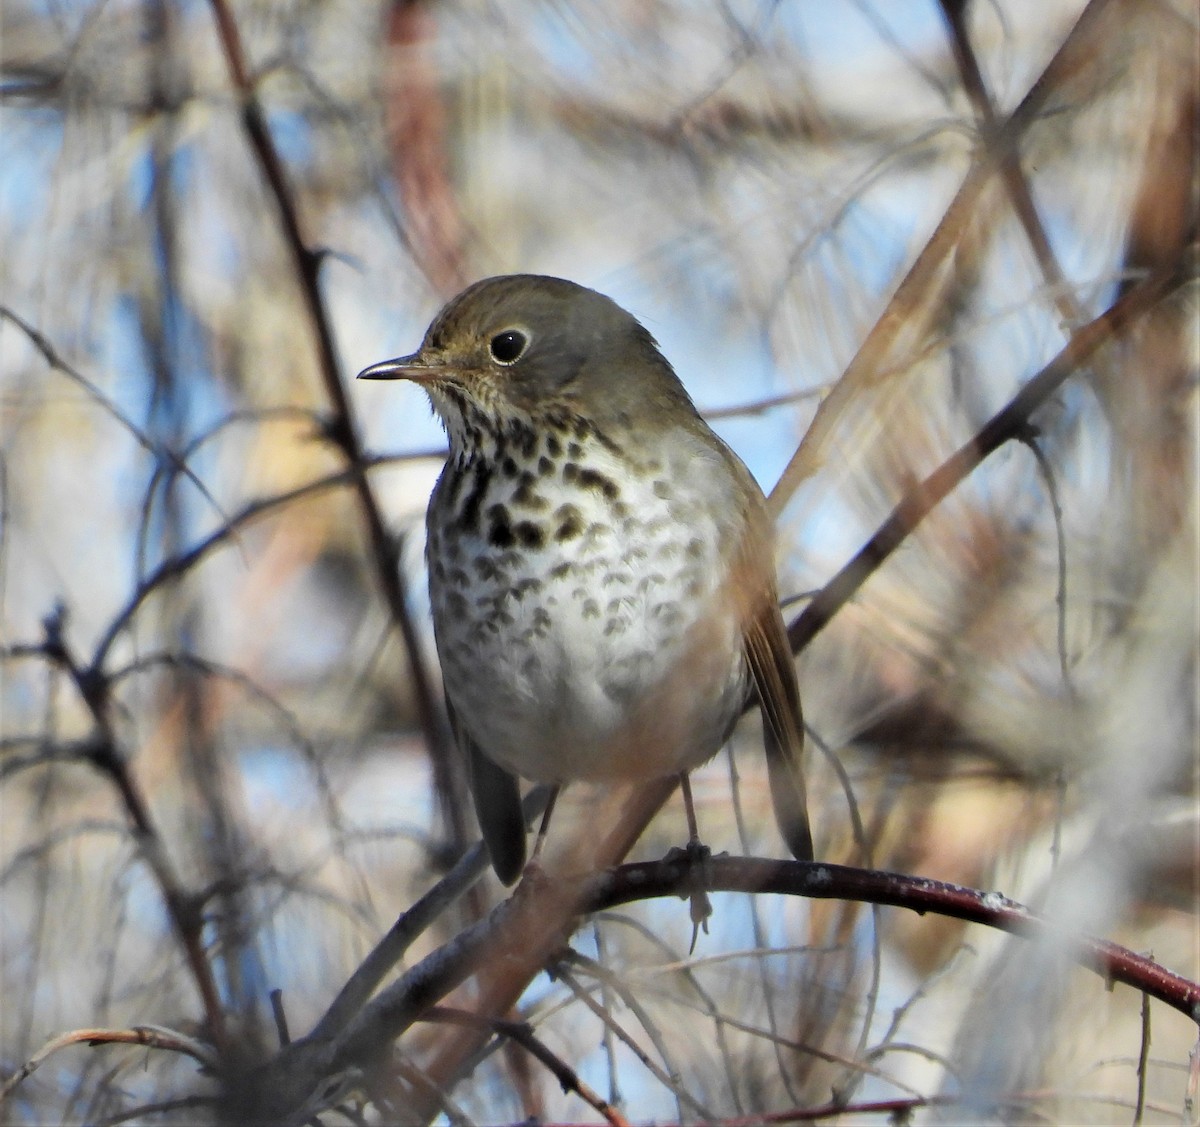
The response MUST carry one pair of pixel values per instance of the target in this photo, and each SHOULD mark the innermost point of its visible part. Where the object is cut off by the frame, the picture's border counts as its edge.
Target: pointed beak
(413, 367)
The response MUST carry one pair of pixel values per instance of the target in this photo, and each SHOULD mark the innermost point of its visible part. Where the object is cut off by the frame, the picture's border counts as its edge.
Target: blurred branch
(161, 452)
(418, 145)
(1015, 183)
(152, 1037)
(183, 908)
(411, 925)
(1143, 1058)
(905, 322)
(341, 428)
(176, 566)
(521, 1033)
(1010, 422)
(669, 1076)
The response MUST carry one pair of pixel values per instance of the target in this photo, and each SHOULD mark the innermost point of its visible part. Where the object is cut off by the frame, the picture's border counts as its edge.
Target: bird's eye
(506, 347)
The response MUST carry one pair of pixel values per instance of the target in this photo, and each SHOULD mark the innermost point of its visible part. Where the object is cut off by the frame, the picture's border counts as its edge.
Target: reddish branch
(818, 881)
(416, 126)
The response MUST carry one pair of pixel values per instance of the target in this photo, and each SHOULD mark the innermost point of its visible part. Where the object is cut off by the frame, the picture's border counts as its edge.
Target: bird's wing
(497, 806)
(770, 659)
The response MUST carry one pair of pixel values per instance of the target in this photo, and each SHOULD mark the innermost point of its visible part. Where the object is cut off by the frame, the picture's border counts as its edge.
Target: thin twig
(1143, 1059)
(153, 1037)
(1012, 175)
(521, 1033)
(183, 908)
(672, 1081)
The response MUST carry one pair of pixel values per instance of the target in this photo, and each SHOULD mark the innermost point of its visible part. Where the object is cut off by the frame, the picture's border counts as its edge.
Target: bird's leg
(697, 854)
(689, 808)
(540, 840)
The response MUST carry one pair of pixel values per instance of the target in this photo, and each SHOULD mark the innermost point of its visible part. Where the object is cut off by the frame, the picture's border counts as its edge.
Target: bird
(601, 564)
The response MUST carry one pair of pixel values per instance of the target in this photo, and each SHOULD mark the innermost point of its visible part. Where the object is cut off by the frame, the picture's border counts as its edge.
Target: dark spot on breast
(487, 568)
(661, 489)
(452, 482)
(588, 478)
(529, 534)
(695, 548)
(560, 571)
(545, 466)
(591, 608)
(525, 496)
(509, 466)
(501, 535)
(553, 446)
(574, 450)
(570, 523)
(468, 517)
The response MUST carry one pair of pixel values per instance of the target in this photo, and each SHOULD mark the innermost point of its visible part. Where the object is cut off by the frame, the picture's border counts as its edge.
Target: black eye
(506, 347)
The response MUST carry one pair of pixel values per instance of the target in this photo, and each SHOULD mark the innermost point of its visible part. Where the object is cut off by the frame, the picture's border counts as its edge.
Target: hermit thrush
(600, 562)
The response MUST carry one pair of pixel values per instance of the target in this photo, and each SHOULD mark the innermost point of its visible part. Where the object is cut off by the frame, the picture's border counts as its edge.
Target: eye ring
(508, 346)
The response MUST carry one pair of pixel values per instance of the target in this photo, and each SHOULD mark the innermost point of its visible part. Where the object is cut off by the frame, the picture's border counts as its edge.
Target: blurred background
(219, 689)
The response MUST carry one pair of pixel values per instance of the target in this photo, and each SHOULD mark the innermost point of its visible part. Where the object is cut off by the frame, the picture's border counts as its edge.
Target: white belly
(598, 654)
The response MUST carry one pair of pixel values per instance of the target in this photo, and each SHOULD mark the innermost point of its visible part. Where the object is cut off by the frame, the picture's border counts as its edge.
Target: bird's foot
(696, 856)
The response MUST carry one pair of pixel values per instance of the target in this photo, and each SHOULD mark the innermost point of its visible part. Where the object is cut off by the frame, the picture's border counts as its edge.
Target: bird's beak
(414, 367)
